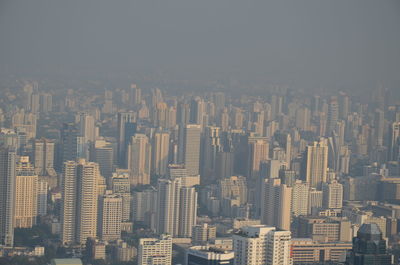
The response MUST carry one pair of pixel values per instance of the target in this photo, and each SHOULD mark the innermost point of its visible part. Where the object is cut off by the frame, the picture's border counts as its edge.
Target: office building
(369, 247)
(324, 228)
(308, 251)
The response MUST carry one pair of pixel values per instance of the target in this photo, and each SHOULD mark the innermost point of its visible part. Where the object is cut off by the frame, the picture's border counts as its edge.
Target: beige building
(317, 163)
(139, 159)
(332, 195)
(262, 245)
(26, 192)
(155, 251)
(308, 251)
(110, 217)
(79, 201)
(160, 149)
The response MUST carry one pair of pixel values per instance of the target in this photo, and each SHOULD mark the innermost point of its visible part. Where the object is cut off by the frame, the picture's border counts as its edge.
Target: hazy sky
(316, 42)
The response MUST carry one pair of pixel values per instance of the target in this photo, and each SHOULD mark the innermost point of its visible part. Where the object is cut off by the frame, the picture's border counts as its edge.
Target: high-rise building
(211, 148)
(7, 195)
(160, 151)
(316, 164)
(276, 204)
(122, 187)
(332, 195)
(394, 142)
(204, 255)
(126, 129)
(167, 207)
(44, 157)
(154, 251)
(176, 208)
(369, 247)
(144, 205)
(42, 192)
(197, 111)
(300, 194)
(262, 245)
(314, 200)
(26, 192)
(88, 174)
(191, 148)
(139, 159)
(333, 115)
(258, 150)
(69, 143)
(110, 217)
(79, 201)
(87, 127)
(187, 211)
(104, 156)
(68, 206)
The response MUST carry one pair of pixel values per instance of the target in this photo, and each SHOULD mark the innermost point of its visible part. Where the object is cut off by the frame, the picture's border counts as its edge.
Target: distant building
(66, 262)
(203, 255)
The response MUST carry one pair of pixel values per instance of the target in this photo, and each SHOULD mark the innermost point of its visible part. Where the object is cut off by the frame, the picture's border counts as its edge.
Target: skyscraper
(316, 165)
(211, 148)
(276, 204)
(26, 191)
(88, 174)
(7, 195)
(176, 208)
(394, 142)
(139, 159)
(191, 148)
(160, 151)
(79, 201)
(187, 211)
(69, 143)
(262, 245)
(258, 150)
(126, 128)
(44, 156)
